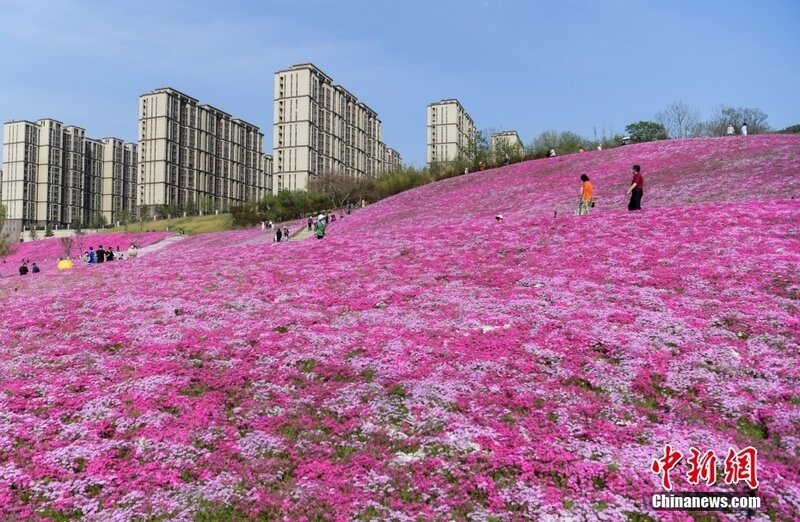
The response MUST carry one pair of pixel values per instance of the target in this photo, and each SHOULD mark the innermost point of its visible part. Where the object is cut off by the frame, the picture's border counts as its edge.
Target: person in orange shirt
(587, 195)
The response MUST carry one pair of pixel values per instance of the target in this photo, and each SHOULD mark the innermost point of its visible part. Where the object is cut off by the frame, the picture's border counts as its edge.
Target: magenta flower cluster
(423, 361)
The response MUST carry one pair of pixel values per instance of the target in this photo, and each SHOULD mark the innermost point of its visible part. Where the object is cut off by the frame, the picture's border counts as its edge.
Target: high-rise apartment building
(54, 175)
(391, 159)
(320, 127)
(507, 142)
(118, 191)
(450, 131)
(194, 156)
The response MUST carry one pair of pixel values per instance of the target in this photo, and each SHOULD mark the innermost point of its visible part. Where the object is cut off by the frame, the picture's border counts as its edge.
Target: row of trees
(336, 191)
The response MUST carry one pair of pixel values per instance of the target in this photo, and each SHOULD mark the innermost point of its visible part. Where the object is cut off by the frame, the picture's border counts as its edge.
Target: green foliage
(564, 142)
(643, 131)
(5, 243)
(48, 232)
(32, 231)
(166, 211)
(792, 129)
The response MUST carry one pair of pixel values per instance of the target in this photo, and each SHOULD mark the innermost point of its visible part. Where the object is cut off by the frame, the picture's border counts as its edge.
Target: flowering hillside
(424, 362)
(46, 252)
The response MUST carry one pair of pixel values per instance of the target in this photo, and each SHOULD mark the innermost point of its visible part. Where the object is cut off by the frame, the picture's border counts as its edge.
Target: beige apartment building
(320, 127)
(507, 142)
(450, 131)
(56, 177)
(391, 159)
(196, 157)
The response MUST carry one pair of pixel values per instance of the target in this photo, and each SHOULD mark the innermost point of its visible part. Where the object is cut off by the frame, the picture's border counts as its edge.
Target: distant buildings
(450, 131)
(55, 176)
(320, 127)
(507, 142)
(195, 157)
(191, 157)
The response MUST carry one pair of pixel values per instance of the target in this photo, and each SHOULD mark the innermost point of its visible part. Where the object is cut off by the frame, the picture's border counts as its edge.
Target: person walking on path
(587, 195)
(320, 228)
(310, 223)
(636, 189)
(286, 233)
(278, 235)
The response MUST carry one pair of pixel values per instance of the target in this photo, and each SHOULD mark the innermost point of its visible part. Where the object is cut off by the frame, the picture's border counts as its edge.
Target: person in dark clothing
(636, 189)
(23, 269)
(310, 223)
(278, 235)
(101, 254)
(35, 269)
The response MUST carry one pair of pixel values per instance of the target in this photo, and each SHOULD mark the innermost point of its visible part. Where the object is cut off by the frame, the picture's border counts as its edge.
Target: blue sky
(585, 66)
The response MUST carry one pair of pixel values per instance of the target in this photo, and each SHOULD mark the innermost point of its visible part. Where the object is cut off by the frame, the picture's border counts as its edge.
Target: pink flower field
(424, 362)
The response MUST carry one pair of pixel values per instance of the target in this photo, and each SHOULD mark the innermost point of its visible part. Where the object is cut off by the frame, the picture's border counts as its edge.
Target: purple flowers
(424, 360)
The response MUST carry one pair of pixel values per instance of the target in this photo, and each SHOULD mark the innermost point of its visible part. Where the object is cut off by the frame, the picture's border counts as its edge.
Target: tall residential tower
(450, 131)
(320, 127)
(57, 177)
(197, 157)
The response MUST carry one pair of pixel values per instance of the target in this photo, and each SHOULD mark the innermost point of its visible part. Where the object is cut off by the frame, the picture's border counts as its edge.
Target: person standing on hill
(320, 228)
(744, 129)
(587, 195)
(278, 235)
(636, 189)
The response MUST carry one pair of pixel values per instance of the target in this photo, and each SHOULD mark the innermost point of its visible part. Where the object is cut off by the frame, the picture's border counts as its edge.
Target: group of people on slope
(90, 257)
(635, 191)
(23, 267)
(282, 234)
(328, 218)
(102, 255)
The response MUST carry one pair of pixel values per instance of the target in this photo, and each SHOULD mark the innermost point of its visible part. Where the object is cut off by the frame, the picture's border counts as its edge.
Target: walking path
(149, 249)
(301, 234)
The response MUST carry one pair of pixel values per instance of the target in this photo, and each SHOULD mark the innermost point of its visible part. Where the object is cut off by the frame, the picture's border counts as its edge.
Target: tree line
(334, 190)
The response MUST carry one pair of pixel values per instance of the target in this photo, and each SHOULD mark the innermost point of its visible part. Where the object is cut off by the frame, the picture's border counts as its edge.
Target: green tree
(32, 231)
(642, 131)
(5, 242)
(792, 129)
(564, 142)
(477, 151)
